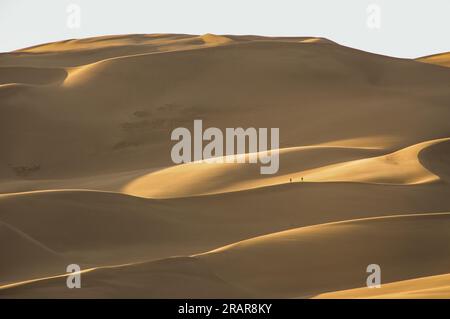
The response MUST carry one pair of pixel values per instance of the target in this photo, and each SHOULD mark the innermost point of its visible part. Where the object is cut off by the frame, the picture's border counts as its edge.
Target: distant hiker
(290, 180)
(302, 178)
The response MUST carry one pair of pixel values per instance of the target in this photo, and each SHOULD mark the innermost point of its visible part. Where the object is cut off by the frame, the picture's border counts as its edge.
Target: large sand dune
(86, 175)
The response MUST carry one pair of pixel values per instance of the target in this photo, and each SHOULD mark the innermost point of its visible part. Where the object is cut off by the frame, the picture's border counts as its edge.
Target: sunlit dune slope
(201, 178)
(436, 287)
(303, 164)
(442, 59)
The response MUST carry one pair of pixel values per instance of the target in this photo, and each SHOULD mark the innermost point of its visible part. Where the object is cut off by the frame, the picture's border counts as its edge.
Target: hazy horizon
(421, 31)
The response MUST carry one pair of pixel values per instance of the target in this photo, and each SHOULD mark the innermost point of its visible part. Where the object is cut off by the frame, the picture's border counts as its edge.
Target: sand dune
(312, 259)
(427, 287)
(201, 178)
(400, 167)
(86, 175)
(303, 262)
(90, 229)
(110, 228)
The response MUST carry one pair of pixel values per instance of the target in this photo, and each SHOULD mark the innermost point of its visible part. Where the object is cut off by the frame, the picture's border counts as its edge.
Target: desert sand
(86, 175)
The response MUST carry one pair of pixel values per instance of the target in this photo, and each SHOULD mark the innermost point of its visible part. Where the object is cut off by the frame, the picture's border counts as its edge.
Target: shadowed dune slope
(96, 227)
(437, 158)
(23, 256)
(30, 75)
(168, 278)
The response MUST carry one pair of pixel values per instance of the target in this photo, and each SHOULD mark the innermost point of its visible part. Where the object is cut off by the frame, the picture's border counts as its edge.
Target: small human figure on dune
(290, 180)
(302, 178)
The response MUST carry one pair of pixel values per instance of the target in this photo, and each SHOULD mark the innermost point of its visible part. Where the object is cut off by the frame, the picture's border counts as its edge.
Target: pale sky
(407, 28)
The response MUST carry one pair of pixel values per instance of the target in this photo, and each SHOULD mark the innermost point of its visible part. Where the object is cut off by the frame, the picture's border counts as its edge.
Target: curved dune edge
(37, 280)
(199, 178)
(421, 288)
